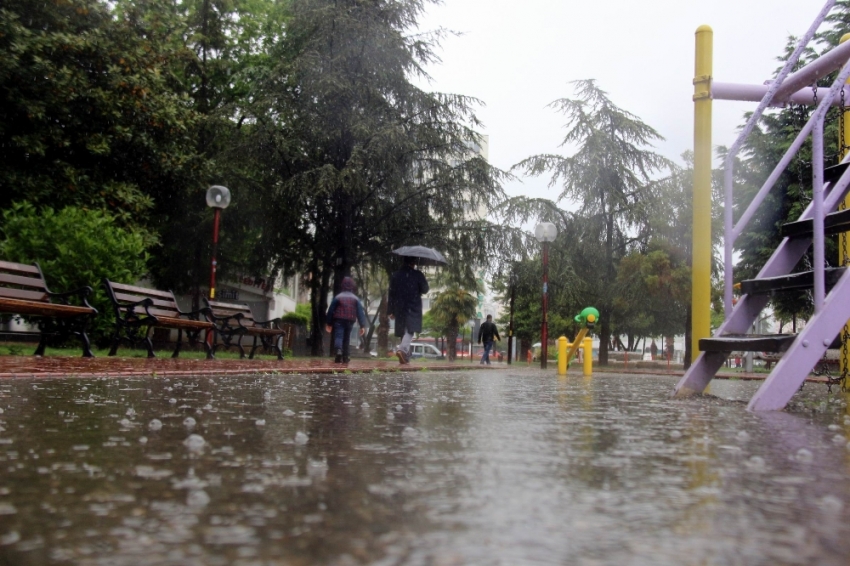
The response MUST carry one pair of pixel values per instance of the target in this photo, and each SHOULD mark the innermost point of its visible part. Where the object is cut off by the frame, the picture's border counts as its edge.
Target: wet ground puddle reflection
(430, 468)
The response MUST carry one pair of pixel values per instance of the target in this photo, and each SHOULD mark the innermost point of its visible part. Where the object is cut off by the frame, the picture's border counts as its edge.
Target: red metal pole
(544, 330)
(511, 327)
(214, 252)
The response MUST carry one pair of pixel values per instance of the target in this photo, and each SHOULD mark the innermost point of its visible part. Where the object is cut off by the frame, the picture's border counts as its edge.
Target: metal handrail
(731, 231)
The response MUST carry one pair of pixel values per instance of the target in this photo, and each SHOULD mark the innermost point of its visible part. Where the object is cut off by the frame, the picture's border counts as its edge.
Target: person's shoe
(403, 358)
(338, 358)
(345, 359)
(488, 363)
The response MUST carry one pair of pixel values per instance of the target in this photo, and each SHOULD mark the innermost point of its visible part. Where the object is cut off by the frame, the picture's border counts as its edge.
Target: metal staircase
(830, 286)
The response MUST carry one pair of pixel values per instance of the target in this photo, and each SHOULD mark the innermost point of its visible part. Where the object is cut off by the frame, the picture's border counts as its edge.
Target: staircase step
(802, 280)
(833, 173)
(747, 343)
(833, 223)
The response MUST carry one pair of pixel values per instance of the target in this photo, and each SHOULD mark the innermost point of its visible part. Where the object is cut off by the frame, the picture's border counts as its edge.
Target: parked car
(419, 350)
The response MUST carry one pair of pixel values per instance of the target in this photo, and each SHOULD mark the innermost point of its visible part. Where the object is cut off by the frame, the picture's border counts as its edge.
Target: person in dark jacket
(486, 334)
(407, 286)
(342, 312)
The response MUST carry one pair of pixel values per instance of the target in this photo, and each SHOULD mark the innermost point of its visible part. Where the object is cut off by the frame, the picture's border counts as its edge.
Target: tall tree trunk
(367, 341)
(319, 286)
(383, 327)
(451, 344)
(604, 338)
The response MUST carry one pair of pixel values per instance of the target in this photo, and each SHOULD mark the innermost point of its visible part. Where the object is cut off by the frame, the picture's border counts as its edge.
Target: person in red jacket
(342, 312)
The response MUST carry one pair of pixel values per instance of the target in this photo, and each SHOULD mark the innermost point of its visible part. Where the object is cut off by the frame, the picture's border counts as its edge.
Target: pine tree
(608, 177)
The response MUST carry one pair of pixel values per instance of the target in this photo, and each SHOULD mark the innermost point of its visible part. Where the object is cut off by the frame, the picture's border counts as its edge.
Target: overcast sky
(517, 57)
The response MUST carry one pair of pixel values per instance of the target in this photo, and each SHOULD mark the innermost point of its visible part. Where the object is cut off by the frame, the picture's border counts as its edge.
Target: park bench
(139, 309)
(234, 321)
(24, 292)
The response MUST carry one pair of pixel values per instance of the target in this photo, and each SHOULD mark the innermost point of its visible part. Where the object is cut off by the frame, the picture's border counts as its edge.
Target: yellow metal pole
(562, 355)
(701, 269)
(588, 356)
(576, 344)
(842, 238)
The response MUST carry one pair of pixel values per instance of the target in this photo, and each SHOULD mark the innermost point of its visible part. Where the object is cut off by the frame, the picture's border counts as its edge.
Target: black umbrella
(427, 256)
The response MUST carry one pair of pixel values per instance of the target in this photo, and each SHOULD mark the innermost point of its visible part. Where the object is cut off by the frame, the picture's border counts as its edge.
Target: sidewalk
(65, 366)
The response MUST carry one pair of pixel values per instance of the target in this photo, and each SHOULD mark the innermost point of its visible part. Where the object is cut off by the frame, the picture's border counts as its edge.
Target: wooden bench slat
(40, 296)
(246, 325)
(32, 282)
(124, 298)
(160, 304)
(18, 267)
(15, 306)
(183, 323)
(167, 313)
(143, 291)
(23, 291)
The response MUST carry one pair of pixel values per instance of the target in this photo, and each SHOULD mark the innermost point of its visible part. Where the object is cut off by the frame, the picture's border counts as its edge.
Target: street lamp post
(218, 198)
(511, 324)
(545, 233)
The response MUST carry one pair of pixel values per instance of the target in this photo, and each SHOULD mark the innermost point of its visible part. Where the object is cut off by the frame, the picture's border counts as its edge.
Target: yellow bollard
(587, 345)
(562, 355)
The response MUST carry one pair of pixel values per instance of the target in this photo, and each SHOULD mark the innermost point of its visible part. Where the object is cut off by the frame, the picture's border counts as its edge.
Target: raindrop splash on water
(197, 498)
(803, 456)
(195, 443)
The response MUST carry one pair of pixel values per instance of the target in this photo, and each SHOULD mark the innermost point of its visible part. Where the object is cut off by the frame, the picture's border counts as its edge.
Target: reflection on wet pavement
(430, 468)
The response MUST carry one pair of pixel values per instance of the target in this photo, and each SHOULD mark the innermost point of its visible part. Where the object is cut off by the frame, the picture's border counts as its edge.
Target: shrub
(75, 248)
(296, 318)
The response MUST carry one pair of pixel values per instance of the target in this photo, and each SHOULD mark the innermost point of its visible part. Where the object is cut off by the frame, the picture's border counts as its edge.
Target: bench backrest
(163, 301)
(232, 309)
(21, 281)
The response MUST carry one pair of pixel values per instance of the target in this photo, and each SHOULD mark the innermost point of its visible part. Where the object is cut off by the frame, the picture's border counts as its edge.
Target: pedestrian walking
(404, 304)
(344, 309)
(486, 333)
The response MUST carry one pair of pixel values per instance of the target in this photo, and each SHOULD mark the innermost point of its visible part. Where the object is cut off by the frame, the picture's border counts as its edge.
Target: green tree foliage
(451, 308)
(608, 177)
(654, 293)
(363, 160)
(88, 115)
(217, 50)
(75, 248)
(653, 281)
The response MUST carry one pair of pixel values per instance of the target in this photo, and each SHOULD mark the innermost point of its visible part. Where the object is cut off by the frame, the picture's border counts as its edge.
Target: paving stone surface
(62, 366)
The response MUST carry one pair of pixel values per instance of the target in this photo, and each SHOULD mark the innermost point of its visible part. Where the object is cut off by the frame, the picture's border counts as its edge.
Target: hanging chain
(841, 143)
(845, 335)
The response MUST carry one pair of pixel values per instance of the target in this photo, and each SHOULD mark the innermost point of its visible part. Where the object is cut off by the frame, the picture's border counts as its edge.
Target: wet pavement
(63, 366)
(427, 468)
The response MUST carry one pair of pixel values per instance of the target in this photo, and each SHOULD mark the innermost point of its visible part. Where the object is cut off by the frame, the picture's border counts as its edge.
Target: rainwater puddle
(494, 467)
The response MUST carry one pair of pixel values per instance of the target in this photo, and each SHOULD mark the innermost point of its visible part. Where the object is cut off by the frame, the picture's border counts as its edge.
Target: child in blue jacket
(342, 312)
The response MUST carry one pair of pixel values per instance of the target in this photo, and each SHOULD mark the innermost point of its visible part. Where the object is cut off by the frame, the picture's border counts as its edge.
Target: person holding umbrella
(404, 304)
